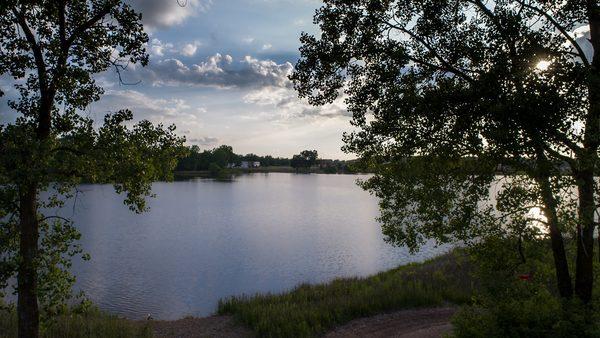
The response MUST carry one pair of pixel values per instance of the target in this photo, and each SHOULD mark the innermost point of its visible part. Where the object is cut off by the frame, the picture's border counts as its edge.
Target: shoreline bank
(307, 310)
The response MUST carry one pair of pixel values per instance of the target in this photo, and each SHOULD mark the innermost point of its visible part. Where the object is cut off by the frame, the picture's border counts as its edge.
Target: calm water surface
(204, 240)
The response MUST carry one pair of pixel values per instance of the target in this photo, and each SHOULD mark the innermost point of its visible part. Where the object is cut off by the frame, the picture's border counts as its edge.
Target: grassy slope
(307, 310)
(313, 309)
(91, 325)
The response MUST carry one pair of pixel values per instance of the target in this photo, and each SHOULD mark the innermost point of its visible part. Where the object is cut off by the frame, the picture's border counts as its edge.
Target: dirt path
(417, 323)
(425, 323)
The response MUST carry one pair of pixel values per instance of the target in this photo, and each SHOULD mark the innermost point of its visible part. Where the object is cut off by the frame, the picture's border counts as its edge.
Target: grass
(92, 324)
(309, 310)
(305, 311)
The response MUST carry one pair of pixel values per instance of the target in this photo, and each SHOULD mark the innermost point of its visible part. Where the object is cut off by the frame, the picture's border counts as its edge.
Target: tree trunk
(584, 275)
(561, 265)
(593, 10)
(27, 304)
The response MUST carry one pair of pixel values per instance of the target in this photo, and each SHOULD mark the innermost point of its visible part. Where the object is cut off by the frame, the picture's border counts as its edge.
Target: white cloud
(189, 49)
(204, 141)
(267, 46)
(213, 65)
(218, 71)
(284, 104)
(157, 110)
(158, 48)
(582, 36)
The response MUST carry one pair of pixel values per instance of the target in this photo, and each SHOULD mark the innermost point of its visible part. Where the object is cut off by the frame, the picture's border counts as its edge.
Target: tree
(297, 162)
(442, 91)
(309, 157)
(223, 155)
(52, 49)
(306, 159)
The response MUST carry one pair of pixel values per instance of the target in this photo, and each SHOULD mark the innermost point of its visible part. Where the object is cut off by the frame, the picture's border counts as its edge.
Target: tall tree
(310, 157)
(306, 159)
(444, 90)
(52, 48)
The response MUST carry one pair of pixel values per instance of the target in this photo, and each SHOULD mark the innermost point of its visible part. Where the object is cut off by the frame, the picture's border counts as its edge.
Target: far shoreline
(274, 169)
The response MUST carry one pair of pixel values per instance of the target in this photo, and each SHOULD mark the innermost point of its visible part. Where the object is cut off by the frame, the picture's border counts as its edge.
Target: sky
(219, 71)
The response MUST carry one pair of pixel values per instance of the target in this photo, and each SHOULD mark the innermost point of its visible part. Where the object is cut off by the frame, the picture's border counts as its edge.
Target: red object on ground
(525, 276)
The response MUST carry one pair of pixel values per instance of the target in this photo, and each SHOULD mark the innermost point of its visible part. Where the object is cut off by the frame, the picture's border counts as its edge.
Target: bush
(542, 315)
(509, 306)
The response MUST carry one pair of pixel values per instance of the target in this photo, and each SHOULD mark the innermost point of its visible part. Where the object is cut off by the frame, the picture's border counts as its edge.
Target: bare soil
(421, 323)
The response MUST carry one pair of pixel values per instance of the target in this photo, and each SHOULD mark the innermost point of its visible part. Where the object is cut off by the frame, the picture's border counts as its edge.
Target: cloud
(165, 13)
(189, 49)
(284, 104)
(219, 71)
(158, 48)
(582, 36)
(157, 110)
(204, 141)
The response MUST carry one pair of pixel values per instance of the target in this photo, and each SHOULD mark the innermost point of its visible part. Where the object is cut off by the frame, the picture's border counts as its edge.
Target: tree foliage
(306, 159)
(51, 51)
(223, 155)
(444, 91)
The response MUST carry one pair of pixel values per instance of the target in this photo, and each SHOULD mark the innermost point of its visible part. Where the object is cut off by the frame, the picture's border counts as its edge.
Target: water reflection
(204, 240)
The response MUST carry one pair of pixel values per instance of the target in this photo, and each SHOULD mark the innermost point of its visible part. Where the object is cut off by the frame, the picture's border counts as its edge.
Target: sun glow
(543, 65)
(538, 220)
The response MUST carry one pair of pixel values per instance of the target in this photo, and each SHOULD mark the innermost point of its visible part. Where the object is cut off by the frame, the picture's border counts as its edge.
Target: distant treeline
(223, 157)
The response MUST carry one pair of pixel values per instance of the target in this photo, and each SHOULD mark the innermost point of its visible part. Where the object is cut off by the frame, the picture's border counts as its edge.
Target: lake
(204, 240)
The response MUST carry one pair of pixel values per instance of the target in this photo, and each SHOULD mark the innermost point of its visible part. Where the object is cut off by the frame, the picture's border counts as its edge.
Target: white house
(250, 164)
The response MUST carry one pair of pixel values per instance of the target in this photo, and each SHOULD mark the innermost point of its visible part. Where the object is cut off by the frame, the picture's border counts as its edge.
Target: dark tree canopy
(51, 50)
(444, 91)
(223, 155)
(306, 159)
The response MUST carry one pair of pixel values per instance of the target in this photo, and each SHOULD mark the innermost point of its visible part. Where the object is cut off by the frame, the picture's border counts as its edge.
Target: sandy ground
(421, 323)
(425, 323)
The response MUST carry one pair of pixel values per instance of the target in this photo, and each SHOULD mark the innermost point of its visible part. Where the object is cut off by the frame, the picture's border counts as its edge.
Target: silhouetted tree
(52, 49)
(306, 159)
(310, 157)
(495, 81)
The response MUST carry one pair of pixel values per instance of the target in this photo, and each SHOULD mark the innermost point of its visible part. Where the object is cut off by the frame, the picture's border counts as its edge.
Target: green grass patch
(309, 310)
(91, 324)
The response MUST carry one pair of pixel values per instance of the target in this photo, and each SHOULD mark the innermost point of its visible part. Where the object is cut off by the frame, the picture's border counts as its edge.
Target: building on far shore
(250, 164)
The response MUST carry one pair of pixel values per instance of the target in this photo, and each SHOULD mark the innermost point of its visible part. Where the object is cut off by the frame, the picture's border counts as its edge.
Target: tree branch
(445, 64)
(560, 28)
(61, 26)
(43, 219)
(90, 23)
(36, 49)
(572, 162)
